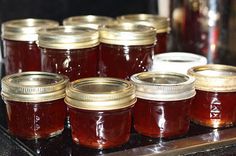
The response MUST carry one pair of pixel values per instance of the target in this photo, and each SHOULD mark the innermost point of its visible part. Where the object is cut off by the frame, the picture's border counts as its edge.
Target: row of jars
(100, 108)
(80, 50)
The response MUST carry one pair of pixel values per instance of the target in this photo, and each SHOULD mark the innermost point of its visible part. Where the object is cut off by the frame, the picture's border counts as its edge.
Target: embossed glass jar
(161, 24)
(35, 104)
(19, 44)
(100, 111)
(70, 50)
(214, 104)
(162, 108)
(125, 49)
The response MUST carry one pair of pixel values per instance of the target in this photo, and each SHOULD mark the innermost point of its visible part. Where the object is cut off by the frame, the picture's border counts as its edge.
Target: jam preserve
(214, 104)
(162, 108)
(35, 104)
(19, 44)
(70, 50)
(161, 24)
(100, 116)
(125, 49)
(177, 62)
(91, 21)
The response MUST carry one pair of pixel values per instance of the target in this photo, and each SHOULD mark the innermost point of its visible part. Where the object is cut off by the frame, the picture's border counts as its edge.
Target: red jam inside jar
(163, 105)
(19, 44)
(161, 24)
(214, 105)
(35, 104)
(122, 56)
(101, 116)
(70, 50)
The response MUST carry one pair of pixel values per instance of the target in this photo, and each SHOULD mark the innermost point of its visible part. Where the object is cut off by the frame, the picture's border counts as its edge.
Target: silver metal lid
(33, 87)
(25, 29)
(100, 94)
(91, 21)
(127, 34)
(163, 86)
(68, 37)
(214, 77)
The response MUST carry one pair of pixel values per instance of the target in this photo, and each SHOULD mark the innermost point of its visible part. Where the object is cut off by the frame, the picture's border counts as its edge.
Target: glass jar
(162, 108)
(125, 49)
(177, 62)
(34, 103)
(161, 24)
(91, 21)
(19, 44)
(101, 115)
(69, 50)
(214, 104)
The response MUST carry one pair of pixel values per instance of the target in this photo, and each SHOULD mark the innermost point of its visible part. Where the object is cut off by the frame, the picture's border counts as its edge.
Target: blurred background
(206, 27)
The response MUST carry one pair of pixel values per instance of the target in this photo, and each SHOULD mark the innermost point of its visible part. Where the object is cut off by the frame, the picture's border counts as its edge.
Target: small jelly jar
(70, 50)
(162, 108)
(214, 104)
(91, 21)
(19, 44)
(161, 24)
(177, 62)
(100, 111)
(125, 49)
(35, 104)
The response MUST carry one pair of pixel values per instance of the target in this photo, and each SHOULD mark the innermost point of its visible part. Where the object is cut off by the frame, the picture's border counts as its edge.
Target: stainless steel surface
(213, 140)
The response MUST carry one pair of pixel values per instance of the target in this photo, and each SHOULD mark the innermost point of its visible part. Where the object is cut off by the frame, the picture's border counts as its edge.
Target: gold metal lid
(68, 37)
(127, 34)
(100, 94)
(34, 87)
(214, 77)
(25, 29)
(91, 21)
(163, 86)
(160, 23)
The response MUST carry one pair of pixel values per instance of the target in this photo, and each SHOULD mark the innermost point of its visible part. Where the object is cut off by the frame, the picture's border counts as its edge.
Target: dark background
(60, 9)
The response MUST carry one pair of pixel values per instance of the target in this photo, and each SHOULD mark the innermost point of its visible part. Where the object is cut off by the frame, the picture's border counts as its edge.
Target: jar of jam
(35, 104)
(70, 50)
(214, 104)
(177, 62)
(91, 21)
(162, 108)
(125, 49)
(161, 24)
(100, 111)
(19, 44)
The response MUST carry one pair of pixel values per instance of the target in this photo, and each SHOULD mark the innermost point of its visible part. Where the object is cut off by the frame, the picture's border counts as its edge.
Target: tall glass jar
(35, 104)
(101, 115)
(91, 21)
(19, 44)
(214, 104)
(163, 105)
(161, 24)
(70, 50)
(125, 49)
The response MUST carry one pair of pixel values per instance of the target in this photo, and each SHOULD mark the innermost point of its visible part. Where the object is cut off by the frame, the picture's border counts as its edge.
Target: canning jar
(91, 21)
(100, 111)
(161, 24)
(214, 104)
(125, 49)
(69, 50)
(35, 104)
(19, 44)
(162, 108)
(177, 62)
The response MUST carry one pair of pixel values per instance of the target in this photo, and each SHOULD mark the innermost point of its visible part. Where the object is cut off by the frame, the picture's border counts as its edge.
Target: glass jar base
(216, 123)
